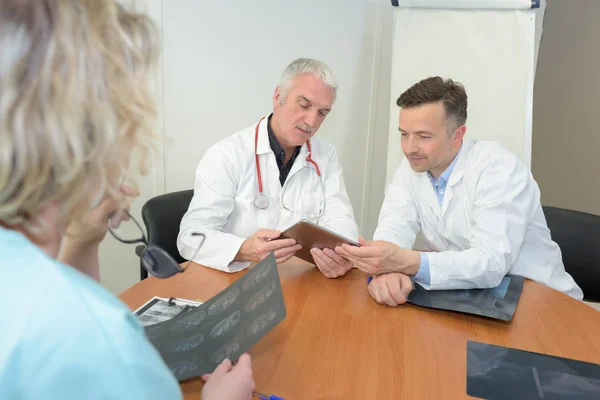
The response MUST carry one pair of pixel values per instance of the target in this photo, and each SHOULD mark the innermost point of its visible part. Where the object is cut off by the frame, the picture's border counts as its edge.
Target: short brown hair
(434, 89)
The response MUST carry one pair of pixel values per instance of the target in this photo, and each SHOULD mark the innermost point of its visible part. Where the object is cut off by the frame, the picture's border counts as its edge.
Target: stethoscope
(261, 201)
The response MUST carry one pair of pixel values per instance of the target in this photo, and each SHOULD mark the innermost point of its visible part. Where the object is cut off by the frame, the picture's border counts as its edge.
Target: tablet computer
(309, 235)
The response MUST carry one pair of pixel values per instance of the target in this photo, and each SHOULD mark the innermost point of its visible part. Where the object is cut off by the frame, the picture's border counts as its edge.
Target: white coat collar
(427, 193)
(461, 163)
(264, 147)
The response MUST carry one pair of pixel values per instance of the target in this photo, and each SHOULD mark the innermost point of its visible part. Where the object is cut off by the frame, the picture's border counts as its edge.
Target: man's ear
(276, 97)
(459, 134)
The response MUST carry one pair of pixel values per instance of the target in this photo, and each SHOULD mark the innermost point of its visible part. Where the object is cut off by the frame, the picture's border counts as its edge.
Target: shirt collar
(275, 145)
(445, 176)
(277, 148)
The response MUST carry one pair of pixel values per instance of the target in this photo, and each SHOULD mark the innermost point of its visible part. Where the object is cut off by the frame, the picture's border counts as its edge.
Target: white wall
(220, 64)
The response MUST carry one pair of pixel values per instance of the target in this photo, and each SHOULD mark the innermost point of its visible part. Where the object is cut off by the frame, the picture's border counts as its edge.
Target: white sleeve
(399, 220)
(209, 210)
(505, 199)
(338, 215)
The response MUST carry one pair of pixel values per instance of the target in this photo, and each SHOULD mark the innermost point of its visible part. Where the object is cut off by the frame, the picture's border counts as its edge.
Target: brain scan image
(227, 350)
(188, 322)
(226, 325)
(263, 321)
(256, 276)
(224, 302)
(186, 344)
(260, 297)
(184, 367)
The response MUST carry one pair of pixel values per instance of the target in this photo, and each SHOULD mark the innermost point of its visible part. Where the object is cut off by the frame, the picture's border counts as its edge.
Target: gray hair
(306, 66)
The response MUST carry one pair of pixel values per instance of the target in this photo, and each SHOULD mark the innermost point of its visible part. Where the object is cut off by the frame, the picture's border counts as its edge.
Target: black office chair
(162, 216)
(578, 236)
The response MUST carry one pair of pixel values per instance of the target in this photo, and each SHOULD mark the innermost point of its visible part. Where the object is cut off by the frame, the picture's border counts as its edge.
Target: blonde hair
(75, 101)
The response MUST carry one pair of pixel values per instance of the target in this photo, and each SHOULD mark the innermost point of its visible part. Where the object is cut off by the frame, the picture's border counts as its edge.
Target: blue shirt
(439, 186)
(65, 337)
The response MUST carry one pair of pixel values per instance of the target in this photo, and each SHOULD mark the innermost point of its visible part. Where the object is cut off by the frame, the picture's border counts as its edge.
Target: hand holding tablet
(309, 235)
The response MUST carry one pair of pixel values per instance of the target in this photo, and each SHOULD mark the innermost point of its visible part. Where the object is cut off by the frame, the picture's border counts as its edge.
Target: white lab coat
(490, 223)
(226, 185)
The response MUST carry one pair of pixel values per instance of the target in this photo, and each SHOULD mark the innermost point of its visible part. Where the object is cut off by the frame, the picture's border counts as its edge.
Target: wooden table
(338, 343)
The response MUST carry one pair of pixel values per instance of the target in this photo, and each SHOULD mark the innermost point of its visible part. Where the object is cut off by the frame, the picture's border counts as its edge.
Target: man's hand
(228, 382)
(110, 212)
(265, 241)
(79, 247)
(380, 257)
(390, 289)
(330, 263)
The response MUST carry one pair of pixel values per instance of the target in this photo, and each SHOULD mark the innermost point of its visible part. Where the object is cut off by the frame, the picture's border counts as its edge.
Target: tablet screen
(309, 235)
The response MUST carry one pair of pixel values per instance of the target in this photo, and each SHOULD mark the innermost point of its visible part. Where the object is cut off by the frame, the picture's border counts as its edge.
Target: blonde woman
(74, 105)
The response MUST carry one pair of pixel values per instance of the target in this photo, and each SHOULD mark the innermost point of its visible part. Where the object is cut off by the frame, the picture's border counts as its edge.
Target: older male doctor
(476, 205)
(267, 177)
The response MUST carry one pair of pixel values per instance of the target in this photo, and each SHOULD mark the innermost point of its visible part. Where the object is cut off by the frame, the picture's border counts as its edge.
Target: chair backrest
(578, 236)
(162, 216)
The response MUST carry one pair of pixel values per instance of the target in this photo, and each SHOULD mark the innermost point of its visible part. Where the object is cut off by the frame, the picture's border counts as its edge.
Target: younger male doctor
(475, 203)
(267, 177)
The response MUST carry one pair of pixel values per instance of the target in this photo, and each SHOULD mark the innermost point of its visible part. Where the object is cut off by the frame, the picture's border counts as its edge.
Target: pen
(266, 397)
